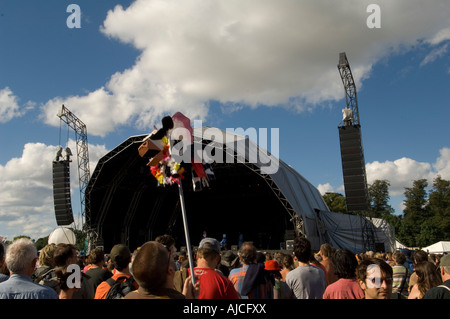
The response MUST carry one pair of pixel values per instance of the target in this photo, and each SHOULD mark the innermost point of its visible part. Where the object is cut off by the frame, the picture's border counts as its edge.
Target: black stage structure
(127, 206)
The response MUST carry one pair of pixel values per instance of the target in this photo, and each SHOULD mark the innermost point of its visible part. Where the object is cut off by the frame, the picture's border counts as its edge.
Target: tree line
(426, 214)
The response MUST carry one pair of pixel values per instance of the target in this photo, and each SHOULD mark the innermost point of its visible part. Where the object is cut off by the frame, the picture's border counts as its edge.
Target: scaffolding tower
(83, 164)
(352, 155)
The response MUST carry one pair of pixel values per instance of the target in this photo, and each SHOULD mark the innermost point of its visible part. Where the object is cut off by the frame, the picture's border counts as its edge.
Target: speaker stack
(61, 193)
(353, 167)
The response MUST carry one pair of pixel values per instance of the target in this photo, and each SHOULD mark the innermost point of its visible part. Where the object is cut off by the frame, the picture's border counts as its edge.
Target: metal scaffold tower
(352, 155)
(82, 159)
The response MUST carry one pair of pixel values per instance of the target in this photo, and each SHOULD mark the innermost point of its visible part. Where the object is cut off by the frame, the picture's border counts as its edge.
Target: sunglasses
(377, 280)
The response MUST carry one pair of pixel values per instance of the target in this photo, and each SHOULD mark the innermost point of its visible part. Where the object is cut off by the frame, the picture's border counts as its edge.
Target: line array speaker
(353, 168)
(61, 193)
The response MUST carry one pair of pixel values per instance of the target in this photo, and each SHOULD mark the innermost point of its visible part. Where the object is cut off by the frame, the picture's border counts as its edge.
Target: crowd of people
(157, 270)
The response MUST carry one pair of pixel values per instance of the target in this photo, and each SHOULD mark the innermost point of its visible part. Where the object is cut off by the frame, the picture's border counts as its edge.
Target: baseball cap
(120, 252)
(210, 243)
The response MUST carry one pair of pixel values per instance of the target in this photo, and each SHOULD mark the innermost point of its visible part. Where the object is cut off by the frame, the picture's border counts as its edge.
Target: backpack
(120, 287)
(48, 278)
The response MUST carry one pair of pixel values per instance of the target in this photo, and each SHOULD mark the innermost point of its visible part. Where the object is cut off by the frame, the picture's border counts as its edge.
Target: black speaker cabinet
(353, 168)
(61, 193)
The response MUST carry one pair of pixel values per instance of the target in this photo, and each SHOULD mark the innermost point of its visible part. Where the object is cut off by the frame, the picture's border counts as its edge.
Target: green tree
(439, 208)
(41, 243)
(415, 213)
(335, 202)
(21, 236)
(379, 199)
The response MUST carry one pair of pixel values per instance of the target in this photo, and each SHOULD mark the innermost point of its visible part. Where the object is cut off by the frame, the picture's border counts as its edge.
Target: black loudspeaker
(61, 193)
(353, 168)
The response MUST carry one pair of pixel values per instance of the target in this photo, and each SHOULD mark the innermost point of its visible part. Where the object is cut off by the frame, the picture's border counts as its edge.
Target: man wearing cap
(441, 291)
(120, 257)
(212, 284)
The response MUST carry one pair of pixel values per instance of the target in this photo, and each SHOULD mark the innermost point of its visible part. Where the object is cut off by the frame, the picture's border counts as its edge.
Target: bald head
(150, 266)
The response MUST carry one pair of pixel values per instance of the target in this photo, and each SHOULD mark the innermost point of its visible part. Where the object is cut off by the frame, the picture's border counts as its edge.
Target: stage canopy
(248, 196)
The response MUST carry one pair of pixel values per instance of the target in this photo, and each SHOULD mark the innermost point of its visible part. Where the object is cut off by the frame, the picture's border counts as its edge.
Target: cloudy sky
(230, 63)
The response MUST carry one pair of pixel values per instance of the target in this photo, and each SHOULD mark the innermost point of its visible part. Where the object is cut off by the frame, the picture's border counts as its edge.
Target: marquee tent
(438, 248)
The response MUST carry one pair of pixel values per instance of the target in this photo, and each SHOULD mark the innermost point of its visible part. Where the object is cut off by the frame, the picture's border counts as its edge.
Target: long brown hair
(427, 276)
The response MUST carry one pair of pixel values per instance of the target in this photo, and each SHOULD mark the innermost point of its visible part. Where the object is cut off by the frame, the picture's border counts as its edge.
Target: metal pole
(186, 232)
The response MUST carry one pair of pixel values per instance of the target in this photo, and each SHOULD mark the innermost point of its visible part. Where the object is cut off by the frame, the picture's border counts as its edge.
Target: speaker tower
(61, 193)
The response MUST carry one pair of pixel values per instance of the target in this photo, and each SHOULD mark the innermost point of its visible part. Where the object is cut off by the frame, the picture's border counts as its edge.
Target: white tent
(438, 248)
(399, 245)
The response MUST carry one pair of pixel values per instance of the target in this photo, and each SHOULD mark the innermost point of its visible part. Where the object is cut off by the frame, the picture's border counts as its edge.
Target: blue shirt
(22, 287)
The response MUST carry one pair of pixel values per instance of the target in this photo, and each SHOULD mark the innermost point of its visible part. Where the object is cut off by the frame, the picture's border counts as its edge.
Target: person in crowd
(280, 288)
(224, 243)
(287, 264)
(154, 270)
(181, 275)
(400, 274)
(4, 271)
(66, 291)
(427, 278)
(167, 241)
(96, 272)
(44, 274)
(388, 258)
(418, 256)
(346, 287)
(305, 281)
(21, 258)
(251, 280)
(66, 254)
(409, 264)
(46, 264)
(432, 258)
(326, 252)
(437, 261)
(212, 284)
(228, 262)
(181, 257)
(375, 279)
(120, 257)
(442, 291)
(315, 262)
(369, 254)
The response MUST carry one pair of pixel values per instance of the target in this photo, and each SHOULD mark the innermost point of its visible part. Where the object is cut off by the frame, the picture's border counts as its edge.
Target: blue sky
(232, 64)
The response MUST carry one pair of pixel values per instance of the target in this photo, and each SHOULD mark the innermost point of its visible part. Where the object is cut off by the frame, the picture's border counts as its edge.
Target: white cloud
(26, 190)
(435, 54)
(442, 164)
(402, 172)
(325, 188)
(244, 53)
(9, 106)
(441, 36)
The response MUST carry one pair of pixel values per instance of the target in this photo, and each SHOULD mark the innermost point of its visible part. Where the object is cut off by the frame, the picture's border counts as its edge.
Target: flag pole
(186, 231)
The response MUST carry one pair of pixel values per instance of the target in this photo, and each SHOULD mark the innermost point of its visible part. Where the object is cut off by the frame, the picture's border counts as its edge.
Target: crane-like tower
(83, 163)
(352, 154)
